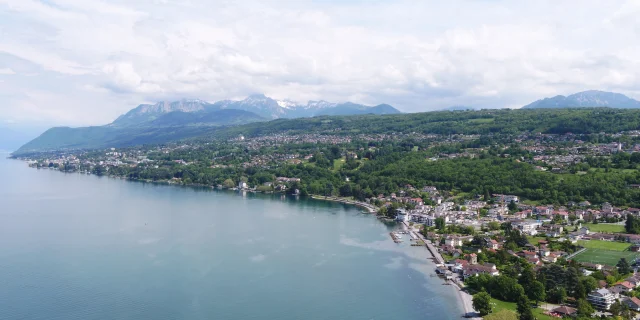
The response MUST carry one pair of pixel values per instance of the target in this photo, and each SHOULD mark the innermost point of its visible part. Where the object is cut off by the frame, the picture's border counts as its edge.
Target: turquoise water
(75, 246)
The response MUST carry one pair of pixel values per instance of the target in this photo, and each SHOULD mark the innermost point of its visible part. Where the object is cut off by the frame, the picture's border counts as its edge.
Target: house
(493, 244)
(634, 280)
(623, 286)
(242, 185)
(551, 258)
(633, 303)
(544, 251)
(472, 258)
(527, 227)
(601, 299)
(592, 266)
(453, 241)
(552, 230)
(564, 311)
(527, 254)
(476, 269)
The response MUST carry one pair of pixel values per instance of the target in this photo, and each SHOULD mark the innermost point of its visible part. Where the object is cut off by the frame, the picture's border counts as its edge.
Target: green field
(604, 227)
(338, 163)
(506, 310)
(605, 257)
(604, 245)
(534, 240)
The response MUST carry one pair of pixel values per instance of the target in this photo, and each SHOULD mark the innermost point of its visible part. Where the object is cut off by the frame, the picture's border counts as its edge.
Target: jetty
(395, 237)
(369, 207)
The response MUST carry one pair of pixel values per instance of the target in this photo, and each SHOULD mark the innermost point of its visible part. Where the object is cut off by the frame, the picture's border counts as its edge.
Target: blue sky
(84, 62)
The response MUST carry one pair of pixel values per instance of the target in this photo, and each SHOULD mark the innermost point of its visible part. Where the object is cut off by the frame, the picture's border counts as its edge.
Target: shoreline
(368, 207)
(465, 301)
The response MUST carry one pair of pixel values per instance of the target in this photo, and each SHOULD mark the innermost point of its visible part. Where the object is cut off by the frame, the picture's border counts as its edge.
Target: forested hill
(554, 121)
(558, 121)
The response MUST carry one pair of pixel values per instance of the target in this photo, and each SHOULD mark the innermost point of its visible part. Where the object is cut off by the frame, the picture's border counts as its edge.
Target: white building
(601, 299)
(402, 215)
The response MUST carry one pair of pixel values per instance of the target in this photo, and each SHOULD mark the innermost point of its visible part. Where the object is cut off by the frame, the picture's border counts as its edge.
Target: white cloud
(7, 71)
(100, 58)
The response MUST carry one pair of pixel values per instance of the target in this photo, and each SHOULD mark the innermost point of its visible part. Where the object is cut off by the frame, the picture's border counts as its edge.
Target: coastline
(465, 300)
(368, 207)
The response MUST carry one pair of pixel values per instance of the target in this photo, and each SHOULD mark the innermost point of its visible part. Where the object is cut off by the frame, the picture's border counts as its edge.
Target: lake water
(76, 246)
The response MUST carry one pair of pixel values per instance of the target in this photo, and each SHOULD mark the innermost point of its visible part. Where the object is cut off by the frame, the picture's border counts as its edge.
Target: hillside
(166, 121)
(586, 99)
(557, 121)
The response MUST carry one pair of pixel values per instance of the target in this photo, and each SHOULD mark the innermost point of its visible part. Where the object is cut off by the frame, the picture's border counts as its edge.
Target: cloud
(6, 71)
(258, 258)
(101, 58)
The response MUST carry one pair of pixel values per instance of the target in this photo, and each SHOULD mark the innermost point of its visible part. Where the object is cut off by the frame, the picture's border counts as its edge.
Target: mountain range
(258, 104)
(586, 99)
(165, 121)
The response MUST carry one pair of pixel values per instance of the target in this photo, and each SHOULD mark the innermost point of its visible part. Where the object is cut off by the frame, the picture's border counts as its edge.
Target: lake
(76, 246)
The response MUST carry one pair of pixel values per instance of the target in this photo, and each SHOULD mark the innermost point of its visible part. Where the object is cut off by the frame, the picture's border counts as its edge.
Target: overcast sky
(84, 62)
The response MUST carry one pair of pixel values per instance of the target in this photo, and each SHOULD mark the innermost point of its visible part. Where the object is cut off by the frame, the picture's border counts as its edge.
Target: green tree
(589, 283)
(558, 295)
(228, 183)
(632, 225)
(524, 308)
(618, 308)
(584, 308)
(482, 303)
(536, 291)
(440, 224)
(623, 266)
(512, 206)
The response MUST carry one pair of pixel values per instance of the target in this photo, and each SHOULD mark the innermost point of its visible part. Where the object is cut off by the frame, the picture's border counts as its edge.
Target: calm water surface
(75, 246)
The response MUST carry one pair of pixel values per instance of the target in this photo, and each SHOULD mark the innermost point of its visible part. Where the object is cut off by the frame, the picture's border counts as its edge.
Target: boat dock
(395, 237)
(434, 251)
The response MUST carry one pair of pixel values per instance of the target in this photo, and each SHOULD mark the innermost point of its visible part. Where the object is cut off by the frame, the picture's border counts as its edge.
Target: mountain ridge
(164, 121)
(586, 99)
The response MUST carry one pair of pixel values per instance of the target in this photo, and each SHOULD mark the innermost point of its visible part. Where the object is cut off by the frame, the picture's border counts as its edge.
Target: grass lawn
(337, 164)
(604, 227)
(606, 257)
(502, 315)
(500, 307)
(604, 245)
(534, 240)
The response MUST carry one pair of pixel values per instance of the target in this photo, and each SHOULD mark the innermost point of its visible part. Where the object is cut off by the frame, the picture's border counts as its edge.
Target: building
(564, 311)
(633, 303)
(527, 227)
(402, 215)
(624, 286)
(601, 299)
(476, 269)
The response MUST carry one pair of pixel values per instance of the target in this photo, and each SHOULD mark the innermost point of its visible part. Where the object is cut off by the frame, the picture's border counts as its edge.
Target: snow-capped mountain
(591, 98)
(274, 109)
(257, 104)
